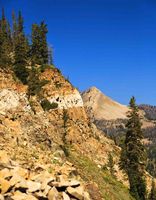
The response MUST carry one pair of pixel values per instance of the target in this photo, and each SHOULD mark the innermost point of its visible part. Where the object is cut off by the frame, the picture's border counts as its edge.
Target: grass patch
(109, 187)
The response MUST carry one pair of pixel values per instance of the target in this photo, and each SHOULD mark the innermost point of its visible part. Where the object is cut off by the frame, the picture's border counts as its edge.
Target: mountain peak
(102, 106)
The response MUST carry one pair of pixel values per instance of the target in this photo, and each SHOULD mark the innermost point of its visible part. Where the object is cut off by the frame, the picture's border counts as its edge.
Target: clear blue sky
(110, 44)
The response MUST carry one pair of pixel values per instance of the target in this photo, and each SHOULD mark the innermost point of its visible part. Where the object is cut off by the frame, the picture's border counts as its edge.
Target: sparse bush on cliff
(46, 105)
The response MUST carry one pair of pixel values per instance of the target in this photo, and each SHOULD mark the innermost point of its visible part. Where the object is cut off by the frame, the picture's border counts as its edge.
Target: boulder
(77, 192)
(4, 185)
(45, 182)
(20, 171)
(5, 173)
(15, 179)
(65, 196)
(22, 196)
(46, 190)
(22, 185)
(53, 194)
(33, 186)
(40, 195)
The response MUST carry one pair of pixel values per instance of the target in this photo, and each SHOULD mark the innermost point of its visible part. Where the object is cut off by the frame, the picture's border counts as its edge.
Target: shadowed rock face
(101, 107)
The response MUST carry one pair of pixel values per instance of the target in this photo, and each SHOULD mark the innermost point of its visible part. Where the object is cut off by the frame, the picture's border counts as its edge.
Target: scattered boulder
(5, 173)
(22, 196)
(78, 192)
(4, 185)
(65, 196)
(33, 186)
(53, 194)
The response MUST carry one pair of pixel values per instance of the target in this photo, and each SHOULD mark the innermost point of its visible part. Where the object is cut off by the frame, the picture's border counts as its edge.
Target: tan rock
(53, 194)
(4, 185)
(21, 172)
(33, 186)
(40, 195)
(16, 179)
(46, 190)
(22, 196)
(77, 192)
(22, 185)
(5, 173)
(65, 183)
(43, 177)
(45, 182)
(65, 196)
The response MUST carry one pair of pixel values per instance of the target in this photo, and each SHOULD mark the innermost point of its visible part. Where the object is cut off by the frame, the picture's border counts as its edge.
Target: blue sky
(110, 44)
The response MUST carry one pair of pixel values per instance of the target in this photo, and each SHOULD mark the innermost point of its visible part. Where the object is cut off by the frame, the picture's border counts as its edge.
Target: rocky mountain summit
(46, 133)
(102, 107)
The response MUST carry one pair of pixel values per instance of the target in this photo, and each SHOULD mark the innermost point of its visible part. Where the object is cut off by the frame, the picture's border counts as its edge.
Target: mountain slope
(43, 126)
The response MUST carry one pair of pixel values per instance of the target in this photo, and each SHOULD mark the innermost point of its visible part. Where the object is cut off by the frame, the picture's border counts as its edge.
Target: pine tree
(39, 50)
(5, 43)
(152, 195)
(14, 29)
(21, 50)
(133, 156)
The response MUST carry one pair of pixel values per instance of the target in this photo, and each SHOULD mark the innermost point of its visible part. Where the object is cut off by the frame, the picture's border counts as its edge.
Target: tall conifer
(133, 156)
(5, 42)
(21, 52)
(39, 50)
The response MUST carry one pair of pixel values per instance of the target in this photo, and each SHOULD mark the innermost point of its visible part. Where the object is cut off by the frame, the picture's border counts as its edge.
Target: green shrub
(46, 105)
(46, 66)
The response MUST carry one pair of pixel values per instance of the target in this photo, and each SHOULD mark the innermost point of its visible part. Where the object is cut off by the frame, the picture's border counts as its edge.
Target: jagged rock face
(100, 107)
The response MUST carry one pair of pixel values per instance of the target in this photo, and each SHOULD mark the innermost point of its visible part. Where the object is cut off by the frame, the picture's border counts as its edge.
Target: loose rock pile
(17, 183)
